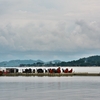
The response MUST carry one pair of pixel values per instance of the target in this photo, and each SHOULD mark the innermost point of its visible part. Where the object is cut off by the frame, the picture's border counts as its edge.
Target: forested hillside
(89, 61)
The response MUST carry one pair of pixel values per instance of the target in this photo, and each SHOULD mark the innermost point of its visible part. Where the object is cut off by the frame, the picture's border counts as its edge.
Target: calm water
(50, 88)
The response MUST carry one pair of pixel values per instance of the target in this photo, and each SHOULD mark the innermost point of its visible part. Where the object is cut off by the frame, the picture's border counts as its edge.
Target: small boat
(70, 71)
(67, 71)
(1, 73)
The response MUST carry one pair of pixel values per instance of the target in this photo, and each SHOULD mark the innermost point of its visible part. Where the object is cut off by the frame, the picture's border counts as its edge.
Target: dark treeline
(90, 61)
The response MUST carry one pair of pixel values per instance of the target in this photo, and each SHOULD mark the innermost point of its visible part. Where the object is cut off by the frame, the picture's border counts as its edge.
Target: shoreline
(51, 74)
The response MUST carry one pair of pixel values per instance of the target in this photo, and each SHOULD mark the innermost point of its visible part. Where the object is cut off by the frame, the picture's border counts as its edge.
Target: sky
(49, 29)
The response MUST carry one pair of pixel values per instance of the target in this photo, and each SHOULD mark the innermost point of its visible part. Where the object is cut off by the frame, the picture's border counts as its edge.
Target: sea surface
(50, 88)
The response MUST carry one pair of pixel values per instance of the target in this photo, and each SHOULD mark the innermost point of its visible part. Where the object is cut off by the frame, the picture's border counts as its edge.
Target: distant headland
(86, 61)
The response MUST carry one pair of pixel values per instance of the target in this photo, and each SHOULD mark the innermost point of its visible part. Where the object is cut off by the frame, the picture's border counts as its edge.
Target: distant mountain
(53, 61)
(14, 63)
(89, 61)
(56, 61)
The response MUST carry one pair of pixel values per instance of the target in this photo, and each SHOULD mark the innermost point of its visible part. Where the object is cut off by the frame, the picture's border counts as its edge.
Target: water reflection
(49, 88)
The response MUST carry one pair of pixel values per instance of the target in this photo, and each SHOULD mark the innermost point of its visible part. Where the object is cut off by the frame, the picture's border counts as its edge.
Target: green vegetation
(89, 61)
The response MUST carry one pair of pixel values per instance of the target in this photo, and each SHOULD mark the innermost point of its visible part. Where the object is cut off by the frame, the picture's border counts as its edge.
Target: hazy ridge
(88, 61)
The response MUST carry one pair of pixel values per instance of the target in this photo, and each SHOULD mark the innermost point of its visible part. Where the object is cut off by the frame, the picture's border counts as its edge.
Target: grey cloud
(49, 41)
(90, 29)
(34, 37)
(53, 30)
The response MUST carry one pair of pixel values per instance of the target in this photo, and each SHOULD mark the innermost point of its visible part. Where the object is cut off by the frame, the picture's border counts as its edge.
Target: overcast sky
(49, 29)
